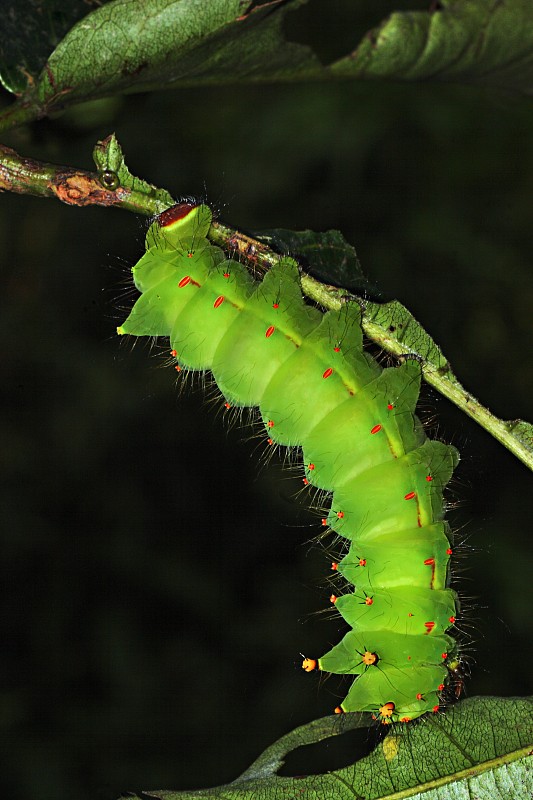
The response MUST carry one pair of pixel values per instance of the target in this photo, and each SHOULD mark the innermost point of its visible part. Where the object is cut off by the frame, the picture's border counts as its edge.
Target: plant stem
(83, 188)
(75, 187)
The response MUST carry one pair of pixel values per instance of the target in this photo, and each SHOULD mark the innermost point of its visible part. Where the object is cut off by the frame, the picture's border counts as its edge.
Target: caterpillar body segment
(361, 441)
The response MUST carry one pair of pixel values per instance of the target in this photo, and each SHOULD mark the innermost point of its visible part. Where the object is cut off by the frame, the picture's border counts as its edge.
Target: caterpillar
(354, 422)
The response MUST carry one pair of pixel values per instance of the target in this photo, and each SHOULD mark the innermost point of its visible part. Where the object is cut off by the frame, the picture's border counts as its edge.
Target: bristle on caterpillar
(361, 444)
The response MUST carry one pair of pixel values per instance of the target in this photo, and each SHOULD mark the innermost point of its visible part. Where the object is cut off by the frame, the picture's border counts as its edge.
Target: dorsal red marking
(376, 429)
(327, 373)
(410, 496)
(430, 562)
(175, 213)
(429, 626)
(184, 281)
(218, 302)
(269, 331)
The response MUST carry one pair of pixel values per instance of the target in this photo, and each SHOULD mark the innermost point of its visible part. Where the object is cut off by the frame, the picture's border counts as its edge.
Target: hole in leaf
(330, 754)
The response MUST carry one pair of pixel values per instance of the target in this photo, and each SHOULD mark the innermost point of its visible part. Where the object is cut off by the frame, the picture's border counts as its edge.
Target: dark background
(158, 583)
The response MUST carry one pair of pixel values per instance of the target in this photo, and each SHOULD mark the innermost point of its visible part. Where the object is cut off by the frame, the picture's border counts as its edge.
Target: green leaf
(327, 255)
(113, 172)
(139, 45)
(30, 31)
(479, 748)
(485, 41)
(522, 431)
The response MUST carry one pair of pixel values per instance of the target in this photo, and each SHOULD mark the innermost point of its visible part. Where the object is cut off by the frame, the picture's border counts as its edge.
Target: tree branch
(387, 324)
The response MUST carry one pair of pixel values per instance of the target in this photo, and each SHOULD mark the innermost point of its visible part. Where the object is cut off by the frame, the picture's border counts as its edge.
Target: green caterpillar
(353, 420)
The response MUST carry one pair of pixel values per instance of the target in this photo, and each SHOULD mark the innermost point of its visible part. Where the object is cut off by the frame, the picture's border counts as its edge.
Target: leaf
(139, 45)
(30, 31)
(327, 256)
(483, 41)
(522, 431)
(395, 329)
(109, 160)
(479, 748)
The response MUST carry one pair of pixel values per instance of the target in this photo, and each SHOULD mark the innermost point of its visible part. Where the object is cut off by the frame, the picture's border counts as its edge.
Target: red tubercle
(369, 601)
(340, 514)
(337, 349)
(410, 614)
(275, 305)
(177, 368)
(429, 478)
(324, 522)
(175, 213)
(451, 620)
(305, 481)
(376, 429)
(270, 441)
(444, 656)
(440, 687)
(390, 406)
(333, 599)
(405, 719)
(327, 373)
(227, 405)
(429, 626)
(420, 696)
(311, 467)
(184, 281)
(435, 709)
(338, 710)
(190, 253)
(173, 353)
(410, 496)
(270, 423)
(226, 274)
(218, 302)
(334, 566)
(362, 562)
(449, 551)
(269, 331)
